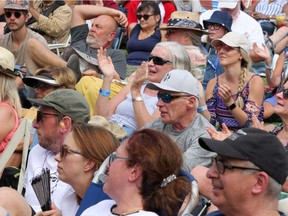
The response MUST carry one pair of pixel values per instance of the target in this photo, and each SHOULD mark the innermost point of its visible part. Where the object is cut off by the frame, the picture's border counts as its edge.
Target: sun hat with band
(7, 63)
(68, 102)
(181, 81)
(184, 20)
(219, 17)
(234, 40)
(255, 145)
(17, 5)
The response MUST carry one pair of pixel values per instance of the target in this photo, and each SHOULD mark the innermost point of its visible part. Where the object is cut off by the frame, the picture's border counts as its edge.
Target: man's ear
(261, 182)
(111, 36)
(65, 123)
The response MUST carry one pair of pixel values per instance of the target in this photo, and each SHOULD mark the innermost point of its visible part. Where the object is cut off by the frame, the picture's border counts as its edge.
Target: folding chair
(118, 38)
(59, 46)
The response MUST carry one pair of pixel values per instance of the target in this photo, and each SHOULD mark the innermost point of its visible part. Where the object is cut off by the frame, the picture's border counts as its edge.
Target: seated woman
(148, 182)
(237, 94)
(10, 106)
(144, 36)
(82, 153)
(135, 105)
(218, 25)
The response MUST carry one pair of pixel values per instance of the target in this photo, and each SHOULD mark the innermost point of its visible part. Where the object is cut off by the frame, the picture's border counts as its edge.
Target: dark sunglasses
(158, 60)
(167, 98)
(285, 93)
(40, 115)
(215, 26)
(64, 150)
(145, 16)
(17, 14)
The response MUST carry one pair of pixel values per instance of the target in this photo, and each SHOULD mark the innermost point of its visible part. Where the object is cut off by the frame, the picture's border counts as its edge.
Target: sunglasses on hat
(158, 60)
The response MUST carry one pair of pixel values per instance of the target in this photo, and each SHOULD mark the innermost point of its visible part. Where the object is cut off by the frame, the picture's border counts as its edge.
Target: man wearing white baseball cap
(178, 97)
(242, 24)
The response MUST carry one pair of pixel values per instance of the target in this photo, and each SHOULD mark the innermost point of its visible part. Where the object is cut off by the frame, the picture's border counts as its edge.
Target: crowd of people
(187, 96)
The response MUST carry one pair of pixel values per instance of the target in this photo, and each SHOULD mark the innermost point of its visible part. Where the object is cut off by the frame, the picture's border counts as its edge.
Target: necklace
(132, 211)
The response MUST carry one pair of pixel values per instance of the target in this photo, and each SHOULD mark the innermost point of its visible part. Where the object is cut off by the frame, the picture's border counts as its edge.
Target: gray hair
(180, 58)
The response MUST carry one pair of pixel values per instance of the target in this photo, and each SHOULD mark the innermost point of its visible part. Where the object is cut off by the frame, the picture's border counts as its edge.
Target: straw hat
(7, 63)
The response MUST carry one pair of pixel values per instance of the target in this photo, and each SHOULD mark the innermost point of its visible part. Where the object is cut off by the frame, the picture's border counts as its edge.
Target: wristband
(137, 99)
(201, 109)
(268, 67)
(104, 93)
(232, 106)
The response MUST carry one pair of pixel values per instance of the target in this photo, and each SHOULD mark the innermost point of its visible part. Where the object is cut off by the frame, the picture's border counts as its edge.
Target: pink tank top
(6, 140)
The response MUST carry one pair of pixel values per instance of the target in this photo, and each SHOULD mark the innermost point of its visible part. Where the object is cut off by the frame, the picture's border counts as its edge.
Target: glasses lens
(8, 14)
(39, 116)
(220, 166)
(111, 158)
(157, 60)
(166, 98)
(285, 93)
(63, 151)
(17, 14)
(146, 17)
(139, 16)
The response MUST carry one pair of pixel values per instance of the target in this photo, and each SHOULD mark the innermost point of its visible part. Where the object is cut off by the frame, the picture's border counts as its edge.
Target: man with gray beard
(85, 42)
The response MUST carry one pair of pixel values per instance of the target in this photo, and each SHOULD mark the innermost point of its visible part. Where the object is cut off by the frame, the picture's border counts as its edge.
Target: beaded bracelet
(104, 93)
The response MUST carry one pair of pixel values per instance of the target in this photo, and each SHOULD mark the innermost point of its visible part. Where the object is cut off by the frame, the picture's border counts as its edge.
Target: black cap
(257, 146)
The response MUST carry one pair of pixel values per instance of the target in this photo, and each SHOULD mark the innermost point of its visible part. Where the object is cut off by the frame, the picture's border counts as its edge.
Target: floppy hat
(220, 17)
(117, 131)
(46, 78)
(68, 102)
(17, 5)
(233, 39)
(181, 81)
(257, 146)
(184, 20)
(230, 4)
(7, 63)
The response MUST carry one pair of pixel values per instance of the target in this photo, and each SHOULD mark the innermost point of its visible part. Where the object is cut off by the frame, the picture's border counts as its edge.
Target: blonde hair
(62, 75)
(9, 92)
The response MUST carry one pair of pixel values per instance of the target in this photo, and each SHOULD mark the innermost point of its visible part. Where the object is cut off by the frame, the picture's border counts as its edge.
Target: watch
(232, 106)
(137, 99)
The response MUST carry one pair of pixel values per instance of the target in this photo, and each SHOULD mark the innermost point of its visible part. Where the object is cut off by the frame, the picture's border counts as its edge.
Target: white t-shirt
(245, 25)
(103, 208)
(40, 158)
(67, 201)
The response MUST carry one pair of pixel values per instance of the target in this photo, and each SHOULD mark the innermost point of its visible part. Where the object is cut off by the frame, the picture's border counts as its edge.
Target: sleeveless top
(124, 113)
(139, 50)
(221, 114)
(6, 140)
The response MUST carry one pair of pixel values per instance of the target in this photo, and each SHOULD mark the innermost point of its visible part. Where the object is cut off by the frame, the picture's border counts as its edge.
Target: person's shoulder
(115, 53)
(102, 207)
(155, 124)
(33, 34)
(145, 213)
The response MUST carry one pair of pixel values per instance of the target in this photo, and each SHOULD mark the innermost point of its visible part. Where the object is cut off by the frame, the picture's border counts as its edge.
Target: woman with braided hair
(237, 94)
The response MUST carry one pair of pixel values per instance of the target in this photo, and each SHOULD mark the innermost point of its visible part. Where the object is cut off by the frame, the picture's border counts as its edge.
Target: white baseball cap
(230, 4)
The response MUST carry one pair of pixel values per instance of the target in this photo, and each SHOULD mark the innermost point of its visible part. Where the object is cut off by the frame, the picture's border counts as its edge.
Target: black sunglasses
(158, 60)
(17, 14)
(285, 93)
(145, 16)
(215, 26)
(64, 150)
(40, 115)
(167, 98)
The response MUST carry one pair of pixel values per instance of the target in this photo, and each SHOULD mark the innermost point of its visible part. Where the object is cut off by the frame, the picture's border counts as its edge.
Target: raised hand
(224, 91)
(121, 19)
(105, 63)
(264, 53)
(219, 135)
(140, 76)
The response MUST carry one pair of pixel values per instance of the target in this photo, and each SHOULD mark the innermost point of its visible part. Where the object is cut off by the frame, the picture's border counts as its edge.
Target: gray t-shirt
(78, 42)
(187, 140)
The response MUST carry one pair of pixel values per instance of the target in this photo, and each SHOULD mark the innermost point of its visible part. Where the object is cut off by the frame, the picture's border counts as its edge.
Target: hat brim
(225, 41)
(10, 74)
(33, 80)
(185, 28)
(40, 102)
(159, 86)
(221, 148)
(227, 4)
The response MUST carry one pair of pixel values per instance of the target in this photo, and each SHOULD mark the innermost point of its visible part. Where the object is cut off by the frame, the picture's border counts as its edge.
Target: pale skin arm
(7, 116)
(142, 115)
(202, 102)
(81, 13)
(104, 106)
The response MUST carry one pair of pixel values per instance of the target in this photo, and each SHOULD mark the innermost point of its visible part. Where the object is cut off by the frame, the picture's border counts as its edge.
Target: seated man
(178, 101)
(247, 174)
(51, 19)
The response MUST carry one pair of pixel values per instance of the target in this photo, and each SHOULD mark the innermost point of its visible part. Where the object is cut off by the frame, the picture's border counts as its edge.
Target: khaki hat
(68, 102)
(233, 39)
(17, 5)
(7, 63)
(184, 20)
(117, 131)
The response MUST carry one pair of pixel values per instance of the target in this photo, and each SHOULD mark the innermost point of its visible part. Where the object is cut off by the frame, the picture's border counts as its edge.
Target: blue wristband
(201, 109)
(104, 93)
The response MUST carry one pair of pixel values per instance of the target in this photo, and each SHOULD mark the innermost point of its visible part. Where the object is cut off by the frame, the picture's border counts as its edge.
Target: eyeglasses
(167, 98)
(285, 93)
(64, 150)
(158, 60)
(17, 14)
(215, 26)
(225, 47)
(41, 86)
(221, 166)
(170, 31)
(145, 16)
(40, 115)
(113, 156)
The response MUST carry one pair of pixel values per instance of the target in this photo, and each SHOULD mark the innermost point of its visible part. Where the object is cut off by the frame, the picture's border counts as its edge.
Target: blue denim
(213, 68)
